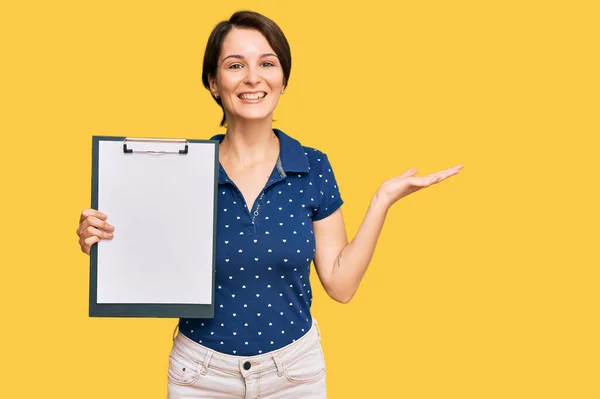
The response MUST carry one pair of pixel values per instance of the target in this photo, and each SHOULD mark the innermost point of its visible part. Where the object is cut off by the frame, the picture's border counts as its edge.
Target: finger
(446, 172)
(440, 176)
(91, 212)
(422, 181)
(95, 222)
(92, 231)
(452, 171)
(409, 172)
(93, 226)
(88, 242)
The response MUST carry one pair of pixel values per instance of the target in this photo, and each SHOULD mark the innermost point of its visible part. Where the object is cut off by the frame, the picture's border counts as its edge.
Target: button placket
(272, 180)
(258, 203)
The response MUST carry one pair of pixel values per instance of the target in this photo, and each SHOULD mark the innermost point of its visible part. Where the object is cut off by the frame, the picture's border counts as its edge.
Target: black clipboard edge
(146, 310)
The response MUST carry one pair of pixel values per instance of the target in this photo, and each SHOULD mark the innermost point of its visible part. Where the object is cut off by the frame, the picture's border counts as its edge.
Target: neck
(248, 143)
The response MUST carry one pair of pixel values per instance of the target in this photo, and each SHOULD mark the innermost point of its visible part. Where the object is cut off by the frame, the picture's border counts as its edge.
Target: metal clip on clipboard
(148, 140)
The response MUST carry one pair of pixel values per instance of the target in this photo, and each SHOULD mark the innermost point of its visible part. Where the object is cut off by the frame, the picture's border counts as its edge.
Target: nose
(252, 76)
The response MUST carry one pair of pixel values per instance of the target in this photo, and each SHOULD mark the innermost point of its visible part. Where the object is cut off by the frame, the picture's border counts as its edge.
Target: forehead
(245, 42)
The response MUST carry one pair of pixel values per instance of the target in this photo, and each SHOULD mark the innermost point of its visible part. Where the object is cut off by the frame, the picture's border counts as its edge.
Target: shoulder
(318, 161)
(313, 154)
(298, 154)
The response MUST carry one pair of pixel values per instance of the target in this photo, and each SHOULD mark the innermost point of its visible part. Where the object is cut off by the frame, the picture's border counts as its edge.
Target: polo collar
(291, 156)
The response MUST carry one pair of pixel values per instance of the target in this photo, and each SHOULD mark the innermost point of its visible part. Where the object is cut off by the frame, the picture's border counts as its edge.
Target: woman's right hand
(93, 228)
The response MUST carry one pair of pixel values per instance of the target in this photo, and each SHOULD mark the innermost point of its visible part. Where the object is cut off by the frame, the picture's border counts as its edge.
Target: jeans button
(247, 366)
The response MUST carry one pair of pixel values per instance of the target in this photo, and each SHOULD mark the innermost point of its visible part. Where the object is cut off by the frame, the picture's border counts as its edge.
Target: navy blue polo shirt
(263, 256)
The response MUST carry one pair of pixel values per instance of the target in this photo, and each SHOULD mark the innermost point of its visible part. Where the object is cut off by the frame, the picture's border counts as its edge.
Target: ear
(212, 82)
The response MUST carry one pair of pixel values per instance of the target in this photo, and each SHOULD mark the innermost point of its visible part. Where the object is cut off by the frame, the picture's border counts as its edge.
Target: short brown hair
(248, 20)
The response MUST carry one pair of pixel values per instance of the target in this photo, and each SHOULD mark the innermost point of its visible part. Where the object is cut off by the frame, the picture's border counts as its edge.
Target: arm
(341, 265)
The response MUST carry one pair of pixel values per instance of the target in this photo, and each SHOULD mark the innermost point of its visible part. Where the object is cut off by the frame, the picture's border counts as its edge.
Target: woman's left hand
(407, 183)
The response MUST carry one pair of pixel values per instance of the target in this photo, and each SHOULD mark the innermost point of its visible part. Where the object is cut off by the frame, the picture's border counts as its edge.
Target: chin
(255, 116)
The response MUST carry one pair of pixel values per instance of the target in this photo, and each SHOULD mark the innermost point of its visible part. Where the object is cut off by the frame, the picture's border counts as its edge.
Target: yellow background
(483, 286)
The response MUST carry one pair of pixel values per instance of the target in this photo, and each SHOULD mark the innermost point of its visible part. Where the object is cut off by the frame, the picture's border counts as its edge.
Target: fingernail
(110, 235)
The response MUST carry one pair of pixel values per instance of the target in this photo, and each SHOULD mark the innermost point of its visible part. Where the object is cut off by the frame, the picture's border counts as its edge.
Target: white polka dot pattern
(262, 287)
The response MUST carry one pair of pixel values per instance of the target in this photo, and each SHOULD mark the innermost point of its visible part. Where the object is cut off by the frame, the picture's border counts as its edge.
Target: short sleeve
(329, 191)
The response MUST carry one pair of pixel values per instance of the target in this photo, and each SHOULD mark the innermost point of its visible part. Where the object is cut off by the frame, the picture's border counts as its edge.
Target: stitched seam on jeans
(174, 381)
(175, 370)
(267, 370)
(183, 383)
(304, 353)
(229, 372)
(258, 386)
(307, 381)
(194, 361)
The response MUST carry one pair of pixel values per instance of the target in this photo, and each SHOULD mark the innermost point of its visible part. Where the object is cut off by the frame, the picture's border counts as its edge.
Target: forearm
(352, 262)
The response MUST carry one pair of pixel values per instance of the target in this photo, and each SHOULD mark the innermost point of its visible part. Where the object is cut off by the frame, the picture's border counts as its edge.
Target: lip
(252, 92)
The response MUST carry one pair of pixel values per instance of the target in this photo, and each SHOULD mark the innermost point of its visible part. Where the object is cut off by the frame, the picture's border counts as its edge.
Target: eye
(235, 66)
(267, 63)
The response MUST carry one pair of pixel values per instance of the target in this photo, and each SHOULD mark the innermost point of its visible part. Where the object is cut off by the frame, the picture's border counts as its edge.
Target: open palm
(407, 183)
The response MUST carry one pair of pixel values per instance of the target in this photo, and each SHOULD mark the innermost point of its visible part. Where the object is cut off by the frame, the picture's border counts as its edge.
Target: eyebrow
(241, 57)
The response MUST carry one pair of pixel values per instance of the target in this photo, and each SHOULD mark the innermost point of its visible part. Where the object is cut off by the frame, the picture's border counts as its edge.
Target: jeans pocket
(308, 367)
(182, 370)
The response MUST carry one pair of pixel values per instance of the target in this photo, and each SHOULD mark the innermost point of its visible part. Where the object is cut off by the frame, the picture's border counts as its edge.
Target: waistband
(208, 358)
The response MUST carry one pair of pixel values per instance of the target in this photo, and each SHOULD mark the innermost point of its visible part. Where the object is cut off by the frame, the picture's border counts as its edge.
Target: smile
(252, 96)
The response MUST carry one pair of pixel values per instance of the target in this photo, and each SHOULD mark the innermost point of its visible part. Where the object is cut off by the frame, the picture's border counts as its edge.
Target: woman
(279, 209)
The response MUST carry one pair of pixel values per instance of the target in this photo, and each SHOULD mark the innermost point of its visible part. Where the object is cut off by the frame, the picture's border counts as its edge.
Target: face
(249, 77)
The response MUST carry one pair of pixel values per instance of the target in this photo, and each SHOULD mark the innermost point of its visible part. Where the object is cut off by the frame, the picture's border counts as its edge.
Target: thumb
(409, 173)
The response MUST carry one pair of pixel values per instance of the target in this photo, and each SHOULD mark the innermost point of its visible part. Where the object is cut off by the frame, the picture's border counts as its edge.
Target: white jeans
(294, 371)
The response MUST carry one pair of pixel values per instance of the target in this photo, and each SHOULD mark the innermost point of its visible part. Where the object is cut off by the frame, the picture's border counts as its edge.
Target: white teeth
(255, 96)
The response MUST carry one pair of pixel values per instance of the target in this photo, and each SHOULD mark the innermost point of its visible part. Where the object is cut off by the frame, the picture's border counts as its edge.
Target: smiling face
(249, 78)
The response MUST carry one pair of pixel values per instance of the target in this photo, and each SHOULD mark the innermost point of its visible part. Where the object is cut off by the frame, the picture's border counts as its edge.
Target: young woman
(278, 211)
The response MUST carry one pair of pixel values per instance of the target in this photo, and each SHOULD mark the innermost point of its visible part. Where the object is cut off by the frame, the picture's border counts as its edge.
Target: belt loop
(206, 361)
(175, 331)
(278, 364)
(318, 330)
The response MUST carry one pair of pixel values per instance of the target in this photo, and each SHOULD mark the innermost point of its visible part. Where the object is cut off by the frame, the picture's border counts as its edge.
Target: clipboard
(161, 196)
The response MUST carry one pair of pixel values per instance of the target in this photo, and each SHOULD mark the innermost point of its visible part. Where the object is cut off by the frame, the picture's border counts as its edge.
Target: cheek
(227, 84)
(275, 78)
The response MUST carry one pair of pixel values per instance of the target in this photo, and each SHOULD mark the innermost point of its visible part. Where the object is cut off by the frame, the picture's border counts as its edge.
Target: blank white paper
(162, 207)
